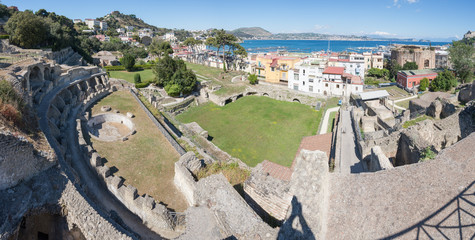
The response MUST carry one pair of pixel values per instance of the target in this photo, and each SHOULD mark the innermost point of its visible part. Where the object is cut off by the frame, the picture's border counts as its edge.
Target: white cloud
(320, 27)
(397, 3)
(380, 33)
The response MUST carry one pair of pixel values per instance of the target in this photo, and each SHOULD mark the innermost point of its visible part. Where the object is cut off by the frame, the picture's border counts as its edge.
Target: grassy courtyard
(147, 159)
(254, 128)
(146, 75)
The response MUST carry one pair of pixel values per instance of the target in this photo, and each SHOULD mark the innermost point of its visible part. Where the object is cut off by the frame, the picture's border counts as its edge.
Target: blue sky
(426, 19)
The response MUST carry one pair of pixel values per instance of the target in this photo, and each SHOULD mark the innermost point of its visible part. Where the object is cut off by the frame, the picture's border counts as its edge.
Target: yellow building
(274, 69)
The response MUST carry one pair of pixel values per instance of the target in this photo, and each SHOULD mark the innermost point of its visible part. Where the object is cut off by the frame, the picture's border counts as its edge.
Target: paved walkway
(324, 127)
(349, 161)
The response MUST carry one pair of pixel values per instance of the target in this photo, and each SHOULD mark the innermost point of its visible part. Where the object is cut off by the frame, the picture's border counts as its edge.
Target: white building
(95, 24)
(129, 28)
(353, 64)
(170, 36)
(77, 21)
(92, 23)
(373, 60)
(120, 30)
(103, 25)
(314, 77)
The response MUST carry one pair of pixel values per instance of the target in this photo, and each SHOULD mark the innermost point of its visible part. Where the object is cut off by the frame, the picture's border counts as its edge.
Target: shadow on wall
(455, 220)
(295, 227)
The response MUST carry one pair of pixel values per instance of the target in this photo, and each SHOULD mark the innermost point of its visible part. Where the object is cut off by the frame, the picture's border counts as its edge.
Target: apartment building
(373, 60)
(353, 64)
(275, 69)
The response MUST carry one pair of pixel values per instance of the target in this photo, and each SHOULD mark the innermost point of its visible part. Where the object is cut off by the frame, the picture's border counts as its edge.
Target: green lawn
(255, 128)
(212, 72)
(404, 104)
(146, 160)
(146, 75)
(415, 121)
(330, 122)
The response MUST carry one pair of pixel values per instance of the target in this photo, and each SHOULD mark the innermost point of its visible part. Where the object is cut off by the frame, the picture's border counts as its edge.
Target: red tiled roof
(277, 171)
(354, 79)
(334, 70)
(322, 142)
(274, 63)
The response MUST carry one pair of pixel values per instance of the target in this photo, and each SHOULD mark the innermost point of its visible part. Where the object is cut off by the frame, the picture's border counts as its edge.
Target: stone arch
(250, 93)
(239, 96)
(229, 100)
(426, 63)
(296, 100)
(265, 94)
(36, 78)
(325, 92)
(47, 74)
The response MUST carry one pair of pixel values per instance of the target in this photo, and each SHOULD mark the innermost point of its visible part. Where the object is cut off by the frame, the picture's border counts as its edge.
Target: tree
(137, 78)
(252, 79)
(463, 60)
(27, 30)
(443, 82)
(394, 68)
(424, 84)
(160, 48)
(128, 61)
(410, 66)
(221, 40)
(174, 76)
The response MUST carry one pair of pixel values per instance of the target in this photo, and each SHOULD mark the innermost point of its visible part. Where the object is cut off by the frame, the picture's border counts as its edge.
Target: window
(337, 86)
(296, 87)
(356, 88)
(272, 69)
(304, 72)
(296, 77)
(284, 76)
(310, 88)
(303, 83)
(310, 80)
(326, 84)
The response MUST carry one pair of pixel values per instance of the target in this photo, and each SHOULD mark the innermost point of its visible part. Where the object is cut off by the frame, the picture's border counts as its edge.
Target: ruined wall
(153, 214)
(266, 193)
(233, 216)
(306, 218)
(378, 160)
(408, 202)
(19, 160)
(184, 180)
(160, 127)
(424, 58)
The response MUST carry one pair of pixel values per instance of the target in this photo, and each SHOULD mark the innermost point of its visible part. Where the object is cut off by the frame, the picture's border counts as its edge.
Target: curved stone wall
(105, 118)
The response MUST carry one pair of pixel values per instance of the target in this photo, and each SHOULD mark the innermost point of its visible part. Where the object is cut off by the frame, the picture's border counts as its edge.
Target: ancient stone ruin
(69, 191)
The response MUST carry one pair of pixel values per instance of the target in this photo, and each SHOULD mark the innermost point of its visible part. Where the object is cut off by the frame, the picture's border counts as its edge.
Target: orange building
(274, 69)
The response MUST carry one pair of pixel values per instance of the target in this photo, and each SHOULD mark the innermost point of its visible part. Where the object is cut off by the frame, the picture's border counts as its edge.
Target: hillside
(117, 19)
(251, 32)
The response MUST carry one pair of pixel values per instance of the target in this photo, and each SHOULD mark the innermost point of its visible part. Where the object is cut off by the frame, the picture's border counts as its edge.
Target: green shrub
(173, 90)
(142, 85)
(427, 154)
(4, 36)
(252, 79)
(424, 84)
(128, 61)
(114, 68)
(137, 78)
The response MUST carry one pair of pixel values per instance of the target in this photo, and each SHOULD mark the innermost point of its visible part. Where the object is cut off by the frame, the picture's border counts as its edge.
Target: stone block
(104, 171)
(96, 160)
(130, 193)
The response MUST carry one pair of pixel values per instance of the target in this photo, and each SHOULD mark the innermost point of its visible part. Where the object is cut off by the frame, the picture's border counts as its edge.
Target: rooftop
(417, 72)
(334, 70)
(374, 95)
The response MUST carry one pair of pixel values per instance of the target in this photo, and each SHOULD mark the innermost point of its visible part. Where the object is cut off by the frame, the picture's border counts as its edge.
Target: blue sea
(307, 46)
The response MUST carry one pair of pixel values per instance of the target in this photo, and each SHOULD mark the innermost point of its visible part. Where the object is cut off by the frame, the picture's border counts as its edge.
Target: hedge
(4, 36)
(142, 85)
(122, 68)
